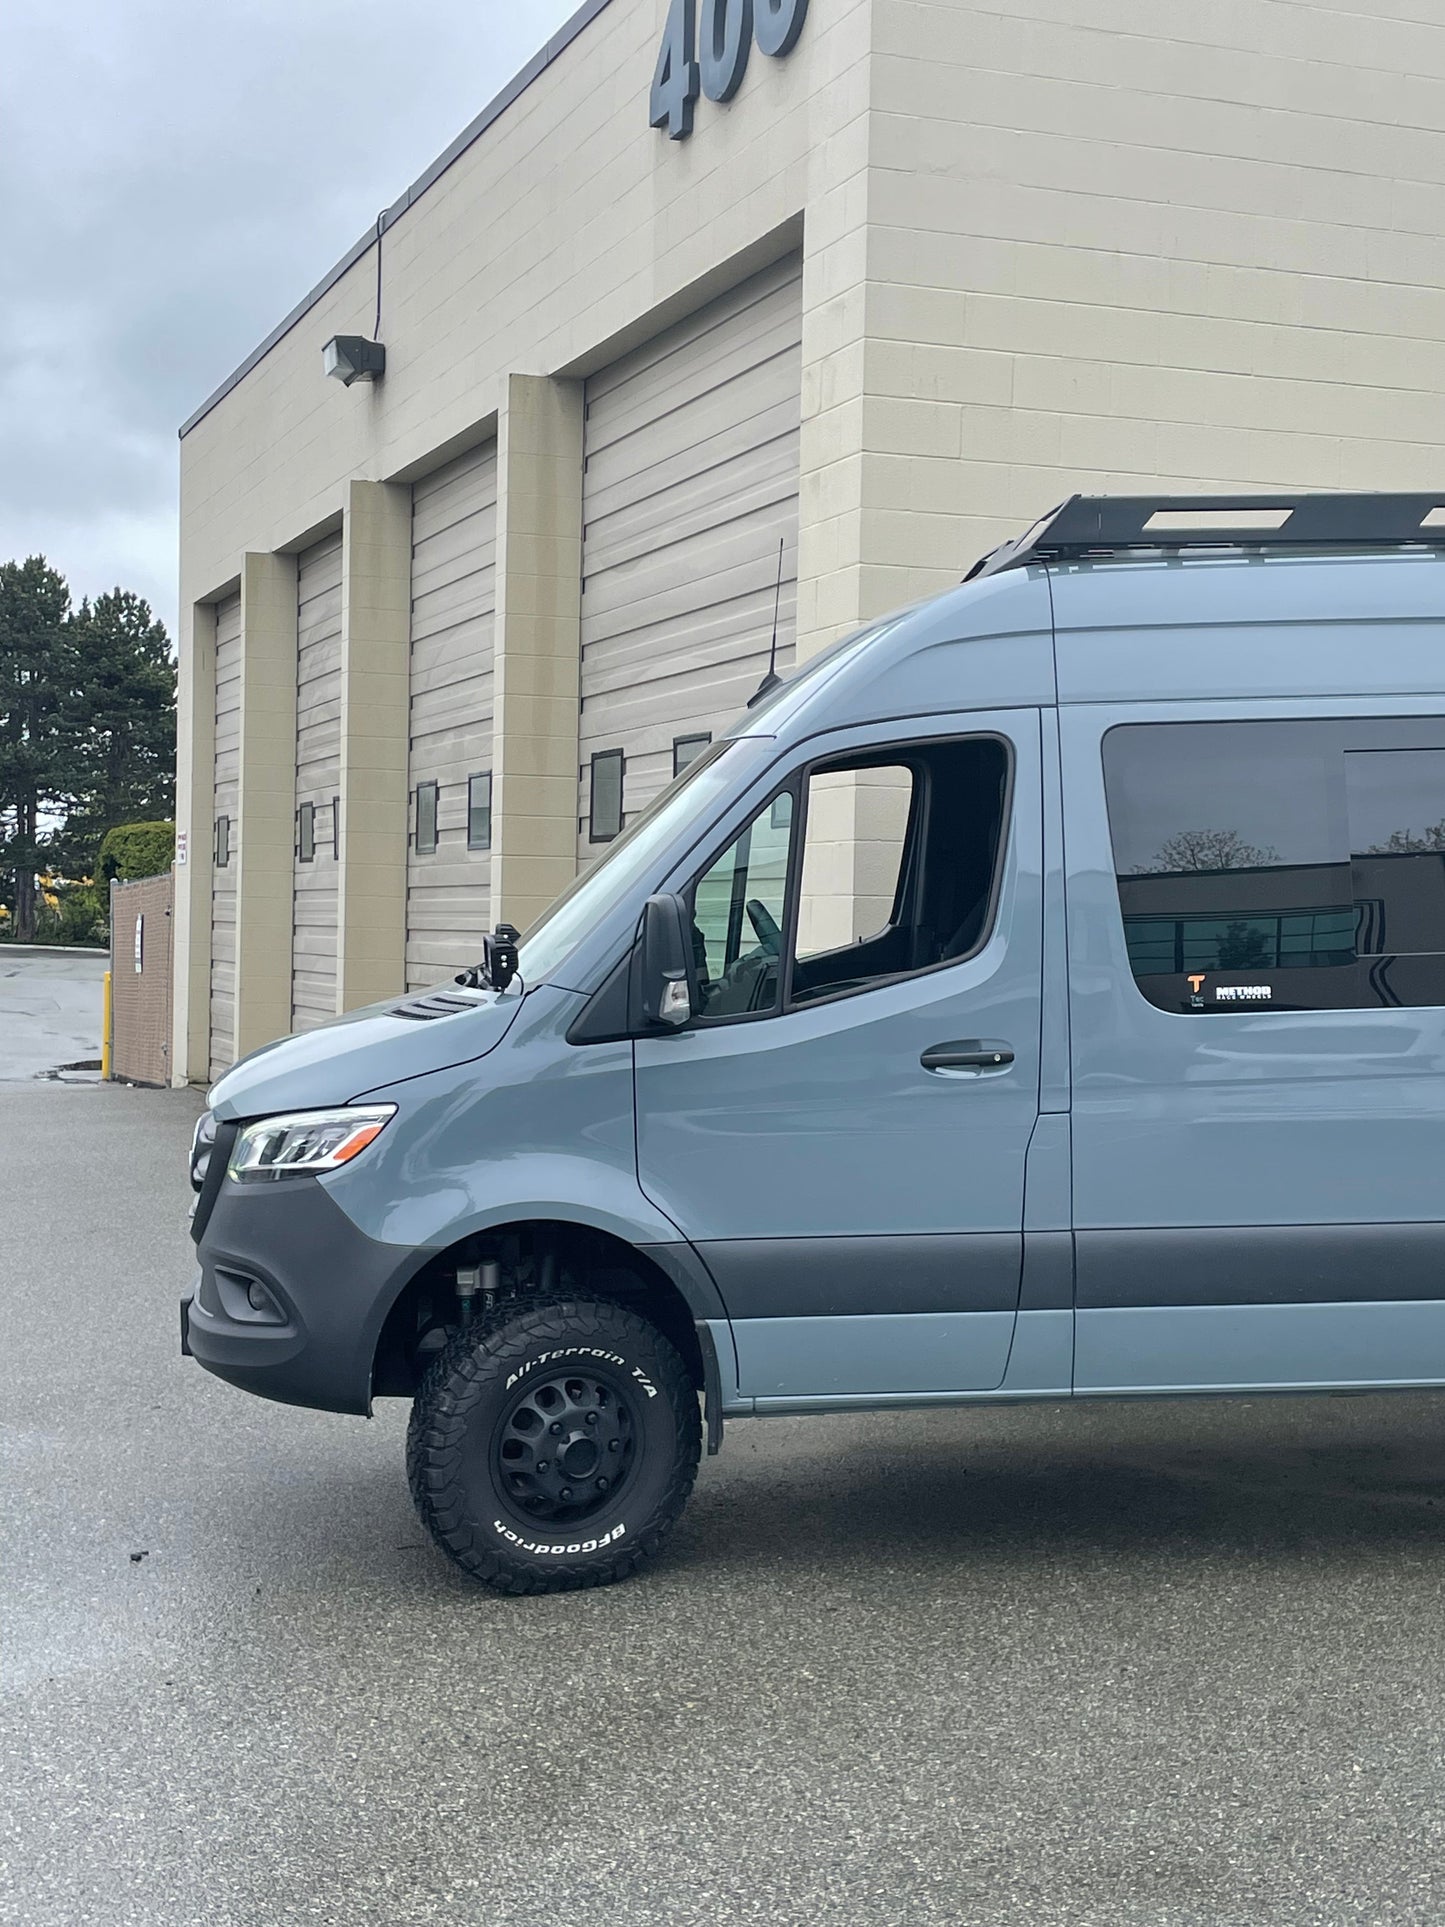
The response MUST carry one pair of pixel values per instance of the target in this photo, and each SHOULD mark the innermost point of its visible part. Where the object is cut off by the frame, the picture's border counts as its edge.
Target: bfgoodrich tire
(553, 1444)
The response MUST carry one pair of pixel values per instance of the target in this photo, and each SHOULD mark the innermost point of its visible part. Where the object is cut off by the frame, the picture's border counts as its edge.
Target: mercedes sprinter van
(1040, 994)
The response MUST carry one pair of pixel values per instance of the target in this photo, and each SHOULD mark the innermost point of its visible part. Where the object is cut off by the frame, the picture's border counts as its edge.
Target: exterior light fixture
(349, 358)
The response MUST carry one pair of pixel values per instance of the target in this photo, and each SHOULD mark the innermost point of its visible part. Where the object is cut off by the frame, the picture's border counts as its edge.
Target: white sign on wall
(182, 846)
(140, 930)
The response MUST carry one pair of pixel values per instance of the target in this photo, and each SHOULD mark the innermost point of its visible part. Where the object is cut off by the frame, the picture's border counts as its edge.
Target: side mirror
(664, 983)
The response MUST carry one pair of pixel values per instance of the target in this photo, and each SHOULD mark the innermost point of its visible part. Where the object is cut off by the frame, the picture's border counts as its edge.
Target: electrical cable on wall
(376, 326)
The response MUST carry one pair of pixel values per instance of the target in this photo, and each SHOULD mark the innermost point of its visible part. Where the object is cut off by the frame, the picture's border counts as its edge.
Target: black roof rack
(1087, 525)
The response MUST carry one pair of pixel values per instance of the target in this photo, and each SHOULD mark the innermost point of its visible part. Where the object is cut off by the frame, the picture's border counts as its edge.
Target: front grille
(203, 1141)
(216, 1162)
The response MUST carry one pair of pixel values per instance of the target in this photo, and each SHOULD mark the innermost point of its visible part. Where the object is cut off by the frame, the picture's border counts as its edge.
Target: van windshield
(691, 796)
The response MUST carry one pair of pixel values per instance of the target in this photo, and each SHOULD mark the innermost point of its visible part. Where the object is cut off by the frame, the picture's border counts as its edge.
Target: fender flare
(678, 1261)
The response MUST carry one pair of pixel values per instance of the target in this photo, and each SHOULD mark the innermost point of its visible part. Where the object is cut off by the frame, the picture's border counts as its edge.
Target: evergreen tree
(87, 727)
(37, 696)
(124, 721)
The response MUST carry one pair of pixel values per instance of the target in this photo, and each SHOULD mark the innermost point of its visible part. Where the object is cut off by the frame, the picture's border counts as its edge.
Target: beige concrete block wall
(195, 771)
(537, 646)
(569, 230)
(375, 681)
(266, 806)
(1128, 247)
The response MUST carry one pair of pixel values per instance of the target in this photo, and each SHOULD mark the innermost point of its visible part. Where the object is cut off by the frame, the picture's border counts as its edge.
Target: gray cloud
(173, 178)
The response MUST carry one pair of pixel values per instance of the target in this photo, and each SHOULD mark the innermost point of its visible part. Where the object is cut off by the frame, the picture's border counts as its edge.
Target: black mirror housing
(664, 979)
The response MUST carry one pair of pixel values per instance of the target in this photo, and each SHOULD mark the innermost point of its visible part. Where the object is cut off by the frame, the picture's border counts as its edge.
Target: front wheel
(553, 1444)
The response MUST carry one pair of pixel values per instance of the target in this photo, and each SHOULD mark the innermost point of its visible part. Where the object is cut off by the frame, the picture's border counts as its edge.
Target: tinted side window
(1287, 865)
(901, 855)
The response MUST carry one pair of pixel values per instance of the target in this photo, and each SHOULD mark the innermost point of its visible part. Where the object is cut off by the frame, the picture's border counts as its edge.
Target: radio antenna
(770, 682)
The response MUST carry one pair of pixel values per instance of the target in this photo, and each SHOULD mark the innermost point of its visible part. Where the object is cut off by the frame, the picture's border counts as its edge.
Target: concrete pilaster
(267, 805)
(538, 645)
(375, 646)
(195, 791)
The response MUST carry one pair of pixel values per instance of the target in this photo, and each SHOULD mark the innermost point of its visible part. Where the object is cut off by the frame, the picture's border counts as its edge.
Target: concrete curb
(51, 950)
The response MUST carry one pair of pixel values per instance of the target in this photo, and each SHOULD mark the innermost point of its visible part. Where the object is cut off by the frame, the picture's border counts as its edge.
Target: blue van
(1040, 994)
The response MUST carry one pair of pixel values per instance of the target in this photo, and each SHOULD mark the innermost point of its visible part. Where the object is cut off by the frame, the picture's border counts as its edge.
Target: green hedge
(134, 850)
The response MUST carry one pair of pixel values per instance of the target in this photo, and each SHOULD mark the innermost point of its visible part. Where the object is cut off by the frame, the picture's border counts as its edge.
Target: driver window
(738, 912)
(901, 854)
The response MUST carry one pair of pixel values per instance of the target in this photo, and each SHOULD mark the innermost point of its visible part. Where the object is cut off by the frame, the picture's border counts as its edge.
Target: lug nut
(566, 1492)
(602, 1485)
(555, 1429)
(591, 1418)
(612, 1445)
(543, 1465)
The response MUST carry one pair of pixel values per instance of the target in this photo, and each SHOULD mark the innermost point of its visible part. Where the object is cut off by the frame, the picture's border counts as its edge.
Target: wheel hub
(564, 1446)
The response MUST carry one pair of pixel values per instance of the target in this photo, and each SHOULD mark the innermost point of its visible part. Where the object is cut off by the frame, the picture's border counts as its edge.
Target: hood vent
(440, 1003)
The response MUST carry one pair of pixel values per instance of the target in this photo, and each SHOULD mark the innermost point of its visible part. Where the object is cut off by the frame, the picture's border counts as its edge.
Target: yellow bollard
(106, 1013)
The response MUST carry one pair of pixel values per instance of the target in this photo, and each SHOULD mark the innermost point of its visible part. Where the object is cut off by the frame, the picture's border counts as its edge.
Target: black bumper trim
(333, 1283)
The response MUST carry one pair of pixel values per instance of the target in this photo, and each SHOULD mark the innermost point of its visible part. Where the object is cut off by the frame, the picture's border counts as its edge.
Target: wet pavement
(50, 1011)
(1133, 1665)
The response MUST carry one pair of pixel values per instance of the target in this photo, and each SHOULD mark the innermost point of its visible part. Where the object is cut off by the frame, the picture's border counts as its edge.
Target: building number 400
(728, 29)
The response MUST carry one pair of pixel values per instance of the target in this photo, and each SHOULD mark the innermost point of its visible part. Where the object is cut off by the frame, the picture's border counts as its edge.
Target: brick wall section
(141, 999)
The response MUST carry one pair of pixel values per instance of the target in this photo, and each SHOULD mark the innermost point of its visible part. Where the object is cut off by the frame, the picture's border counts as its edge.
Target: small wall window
(306, 833)
(426, 819)
(336, 828)
(222, 851)
(686, 749)
(479, 811)
(604, 813)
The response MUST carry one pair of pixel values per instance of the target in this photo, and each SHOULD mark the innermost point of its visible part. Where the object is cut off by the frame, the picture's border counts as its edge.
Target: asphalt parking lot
(1126, 1664)
(50, 1010)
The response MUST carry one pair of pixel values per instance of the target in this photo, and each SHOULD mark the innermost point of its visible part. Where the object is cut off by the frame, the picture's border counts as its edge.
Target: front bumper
(330, 1284)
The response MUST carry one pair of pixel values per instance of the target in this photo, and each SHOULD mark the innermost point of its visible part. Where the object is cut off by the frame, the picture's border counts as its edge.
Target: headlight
(307, 1141)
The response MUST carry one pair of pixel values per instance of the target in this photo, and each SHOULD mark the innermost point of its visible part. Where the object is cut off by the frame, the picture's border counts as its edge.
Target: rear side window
(1281, 865)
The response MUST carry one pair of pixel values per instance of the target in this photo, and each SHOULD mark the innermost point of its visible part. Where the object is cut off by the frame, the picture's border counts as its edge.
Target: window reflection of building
(1402, 902)
(1285, 917)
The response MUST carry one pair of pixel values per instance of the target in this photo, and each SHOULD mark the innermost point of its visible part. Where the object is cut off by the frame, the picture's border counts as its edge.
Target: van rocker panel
(939, 1354)
(1231, 1348)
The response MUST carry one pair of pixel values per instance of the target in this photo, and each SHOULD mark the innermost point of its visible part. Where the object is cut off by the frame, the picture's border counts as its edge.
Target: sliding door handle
(971, 1054)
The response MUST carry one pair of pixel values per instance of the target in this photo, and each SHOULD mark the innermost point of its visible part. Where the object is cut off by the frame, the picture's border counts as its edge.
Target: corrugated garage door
(318, 779)
(453, 599)
(691, 480)
(226, 834)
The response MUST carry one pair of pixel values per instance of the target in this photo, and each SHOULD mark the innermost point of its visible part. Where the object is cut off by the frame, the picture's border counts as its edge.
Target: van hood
(382, 1044)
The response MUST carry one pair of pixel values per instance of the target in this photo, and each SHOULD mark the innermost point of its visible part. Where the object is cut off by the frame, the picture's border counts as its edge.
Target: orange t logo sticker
(1196, 982)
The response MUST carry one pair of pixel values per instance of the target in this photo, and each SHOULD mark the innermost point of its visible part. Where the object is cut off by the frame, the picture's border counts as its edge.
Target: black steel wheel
(553, 1444)
(566, 1447)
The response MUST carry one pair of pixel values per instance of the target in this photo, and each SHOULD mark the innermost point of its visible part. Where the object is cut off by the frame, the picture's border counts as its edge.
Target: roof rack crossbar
(1100, 525)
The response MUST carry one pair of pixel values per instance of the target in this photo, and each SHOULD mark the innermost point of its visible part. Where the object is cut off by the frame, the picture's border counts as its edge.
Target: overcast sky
(174, 176)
